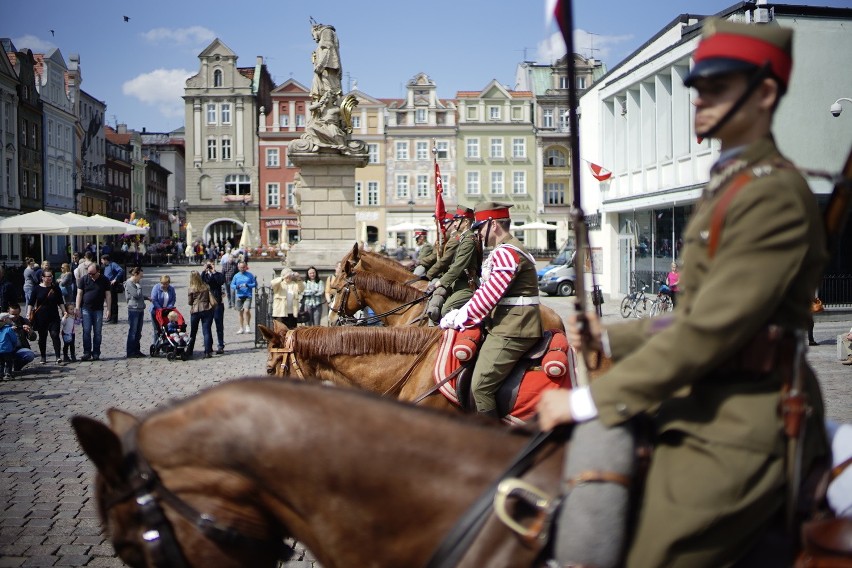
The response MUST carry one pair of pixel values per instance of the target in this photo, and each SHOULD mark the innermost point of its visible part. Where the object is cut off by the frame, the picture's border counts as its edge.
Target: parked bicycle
(663, 302)
(635, 303)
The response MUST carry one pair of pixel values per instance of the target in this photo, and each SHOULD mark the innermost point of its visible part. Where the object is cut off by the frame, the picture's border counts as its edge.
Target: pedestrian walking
(92, 294)
(135, 312)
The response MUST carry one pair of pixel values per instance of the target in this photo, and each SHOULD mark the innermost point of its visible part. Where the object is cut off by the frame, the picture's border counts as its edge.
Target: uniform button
(621, 409)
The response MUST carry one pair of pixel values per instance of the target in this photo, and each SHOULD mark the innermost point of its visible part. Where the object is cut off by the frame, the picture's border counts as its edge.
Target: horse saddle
(519, 393)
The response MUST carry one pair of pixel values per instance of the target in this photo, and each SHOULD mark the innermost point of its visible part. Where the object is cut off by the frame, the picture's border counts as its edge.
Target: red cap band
(749, 49)
(502, 213)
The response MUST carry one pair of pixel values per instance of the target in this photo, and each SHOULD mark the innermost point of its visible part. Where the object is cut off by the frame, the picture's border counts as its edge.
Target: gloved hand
(460, 318)
(435, 283)
(419, 270)
(448, 321)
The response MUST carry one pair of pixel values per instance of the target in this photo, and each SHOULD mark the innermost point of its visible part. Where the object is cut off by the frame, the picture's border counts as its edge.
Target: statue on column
(330, 121)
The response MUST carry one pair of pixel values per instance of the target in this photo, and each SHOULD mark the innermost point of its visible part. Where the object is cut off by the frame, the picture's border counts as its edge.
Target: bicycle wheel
(625, 306)
(655, 309)
(640, 308)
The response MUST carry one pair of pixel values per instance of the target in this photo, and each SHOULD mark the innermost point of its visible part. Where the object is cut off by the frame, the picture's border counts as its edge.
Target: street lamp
(836, 109)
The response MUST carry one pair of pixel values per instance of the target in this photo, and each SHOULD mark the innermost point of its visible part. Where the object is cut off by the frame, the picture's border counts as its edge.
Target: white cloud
(194, 35)
(598, 46)
(162, 88)
(30, 41)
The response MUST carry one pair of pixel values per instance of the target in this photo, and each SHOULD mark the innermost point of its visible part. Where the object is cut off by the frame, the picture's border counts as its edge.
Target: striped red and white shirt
(498, 272)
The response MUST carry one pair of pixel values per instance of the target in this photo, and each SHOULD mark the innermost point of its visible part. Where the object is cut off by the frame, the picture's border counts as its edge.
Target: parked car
(562, 259)
(559, 280)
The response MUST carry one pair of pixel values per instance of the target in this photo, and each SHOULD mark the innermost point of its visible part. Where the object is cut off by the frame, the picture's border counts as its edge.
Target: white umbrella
(43, 223)
(534, 226)
(402, 227)
(245, 239)
(101, 225)
(188, 250)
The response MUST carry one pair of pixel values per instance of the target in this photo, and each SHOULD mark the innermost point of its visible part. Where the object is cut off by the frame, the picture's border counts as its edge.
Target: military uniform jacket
(464, 266)
(426, 256)
(770, 255)
(517, 321)
(443, 262)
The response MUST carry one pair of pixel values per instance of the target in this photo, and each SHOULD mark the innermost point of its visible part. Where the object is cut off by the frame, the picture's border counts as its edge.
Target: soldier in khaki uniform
(445, 259)
(717, 477)
(462, 275)
(507, 303)
(426, 255)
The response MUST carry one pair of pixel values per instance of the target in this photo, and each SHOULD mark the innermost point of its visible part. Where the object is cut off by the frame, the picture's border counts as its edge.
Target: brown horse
(347, 300)
(394, 303)
(221, 478)
(393, 362)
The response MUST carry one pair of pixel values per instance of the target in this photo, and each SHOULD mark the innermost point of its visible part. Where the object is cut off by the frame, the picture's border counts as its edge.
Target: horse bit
(157, 532)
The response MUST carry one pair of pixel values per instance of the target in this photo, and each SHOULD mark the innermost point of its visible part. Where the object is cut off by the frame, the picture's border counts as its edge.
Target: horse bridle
(349, 286)
(146, 489)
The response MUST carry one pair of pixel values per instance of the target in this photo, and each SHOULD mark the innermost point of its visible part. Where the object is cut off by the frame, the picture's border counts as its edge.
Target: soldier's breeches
(704, 504)
(496, 358)
(456, 300)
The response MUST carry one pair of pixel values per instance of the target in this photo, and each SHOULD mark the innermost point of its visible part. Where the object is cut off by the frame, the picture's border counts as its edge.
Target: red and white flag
(600, 173)
(440, 210)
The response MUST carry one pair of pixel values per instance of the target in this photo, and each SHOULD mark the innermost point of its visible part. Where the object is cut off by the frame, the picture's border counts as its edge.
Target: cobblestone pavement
(47, 517)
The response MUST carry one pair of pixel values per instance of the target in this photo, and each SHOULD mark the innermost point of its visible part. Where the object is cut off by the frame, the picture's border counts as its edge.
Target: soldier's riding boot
(489, 413)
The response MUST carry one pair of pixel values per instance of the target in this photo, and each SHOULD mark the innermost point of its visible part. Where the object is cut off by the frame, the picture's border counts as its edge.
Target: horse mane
(329, 341)
(398, 272)
(392, 289)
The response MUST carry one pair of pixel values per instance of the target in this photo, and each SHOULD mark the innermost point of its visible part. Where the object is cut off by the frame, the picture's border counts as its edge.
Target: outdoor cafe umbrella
(534, 226)
(245, 238)
(100, 225)
(44, 223)
(188, 250)
(403, 227)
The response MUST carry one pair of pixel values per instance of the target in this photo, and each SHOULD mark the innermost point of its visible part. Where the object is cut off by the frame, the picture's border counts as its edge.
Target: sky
(138, 67)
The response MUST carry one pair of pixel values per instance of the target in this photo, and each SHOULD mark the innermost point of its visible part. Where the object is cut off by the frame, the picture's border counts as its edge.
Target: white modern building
(637, 121)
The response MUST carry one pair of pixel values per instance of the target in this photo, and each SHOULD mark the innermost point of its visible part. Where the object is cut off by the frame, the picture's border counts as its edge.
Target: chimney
(260, 60)
(121, 128)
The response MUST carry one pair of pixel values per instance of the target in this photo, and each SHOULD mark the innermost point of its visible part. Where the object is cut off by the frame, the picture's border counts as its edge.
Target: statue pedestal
(326, 196)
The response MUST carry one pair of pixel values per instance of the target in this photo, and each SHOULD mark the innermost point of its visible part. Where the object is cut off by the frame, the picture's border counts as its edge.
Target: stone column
(326, 202)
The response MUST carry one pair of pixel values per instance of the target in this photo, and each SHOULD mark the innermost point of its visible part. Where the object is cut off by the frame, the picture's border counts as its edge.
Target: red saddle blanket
(519, 394)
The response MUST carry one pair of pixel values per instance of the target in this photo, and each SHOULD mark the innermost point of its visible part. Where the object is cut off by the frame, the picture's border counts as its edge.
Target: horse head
(274, 341)
(152, 526)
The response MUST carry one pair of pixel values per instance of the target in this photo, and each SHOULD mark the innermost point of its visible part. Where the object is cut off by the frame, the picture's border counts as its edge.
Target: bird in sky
(126, 18)
(52, 33)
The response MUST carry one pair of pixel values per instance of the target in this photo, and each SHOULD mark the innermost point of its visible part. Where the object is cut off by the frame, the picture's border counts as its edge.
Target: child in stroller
(172, 338)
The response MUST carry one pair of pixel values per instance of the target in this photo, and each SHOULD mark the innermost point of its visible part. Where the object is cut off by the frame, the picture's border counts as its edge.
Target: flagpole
(438, 185)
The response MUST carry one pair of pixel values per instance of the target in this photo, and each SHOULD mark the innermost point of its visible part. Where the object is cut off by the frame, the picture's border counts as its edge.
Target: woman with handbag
(312, 297)
(202, 304)
(287, 292)
(45, 309)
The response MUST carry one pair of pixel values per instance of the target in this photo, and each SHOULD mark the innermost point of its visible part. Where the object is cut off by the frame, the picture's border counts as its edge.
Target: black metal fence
(836, 290)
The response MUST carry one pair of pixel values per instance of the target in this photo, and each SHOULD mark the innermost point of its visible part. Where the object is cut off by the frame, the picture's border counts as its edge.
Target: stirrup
(545, 505)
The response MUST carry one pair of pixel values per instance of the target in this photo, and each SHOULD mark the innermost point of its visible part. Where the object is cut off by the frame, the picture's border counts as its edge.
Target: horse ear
(279, 328)
(121, 422)
(102, 445)
(267, 333)
(356, 254)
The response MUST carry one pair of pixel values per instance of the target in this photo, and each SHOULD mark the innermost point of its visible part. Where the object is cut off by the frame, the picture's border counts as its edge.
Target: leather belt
(764, 352)
(520, 301)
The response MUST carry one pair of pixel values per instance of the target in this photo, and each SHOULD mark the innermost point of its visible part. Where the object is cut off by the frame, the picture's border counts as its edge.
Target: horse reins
(146, 489)
(349, 286)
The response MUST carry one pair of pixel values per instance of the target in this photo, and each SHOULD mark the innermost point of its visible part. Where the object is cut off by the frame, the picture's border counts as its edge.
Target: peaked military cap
(463, 213)
(489, 210)
(730, 47)
(419, 233)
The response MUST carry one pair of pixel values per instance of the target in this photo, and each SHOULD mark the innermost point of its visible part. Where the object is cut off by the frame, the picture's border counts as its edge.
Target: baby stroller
(164, 342)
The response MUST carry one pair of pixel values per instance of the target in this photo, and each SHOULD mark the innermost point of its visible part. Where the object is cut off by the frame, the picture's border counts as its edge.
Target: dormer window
(217, 78)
